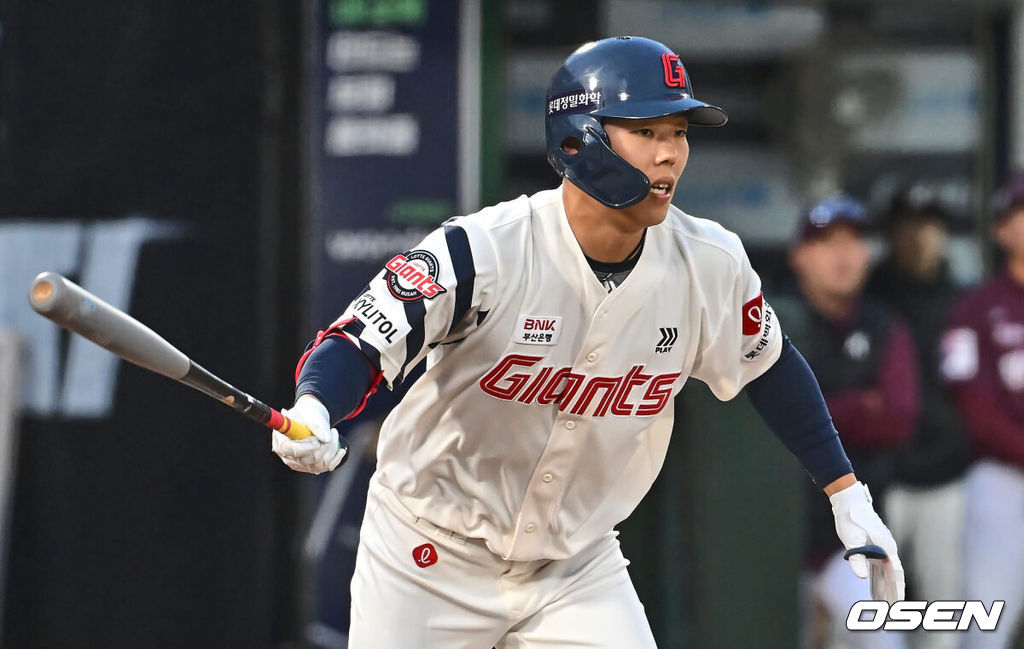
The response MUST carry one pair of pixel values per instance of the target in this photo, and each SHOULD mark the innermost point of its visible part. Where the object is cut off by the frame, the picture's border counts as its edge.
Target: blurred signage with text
(383, 137)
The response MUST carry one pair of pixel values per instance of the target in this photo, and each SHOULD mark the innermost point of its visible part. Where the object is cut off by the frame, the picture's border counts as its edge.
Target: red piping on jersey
(335, 331)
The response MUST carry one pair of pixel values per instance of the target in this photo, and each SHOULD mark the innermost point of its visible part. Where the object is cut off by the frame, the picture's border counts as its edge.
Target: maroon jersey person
(983, 362)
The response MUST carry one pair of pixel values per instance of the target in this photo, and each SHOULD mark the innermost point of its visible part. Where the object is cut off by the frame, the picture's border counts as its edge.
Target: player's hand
(324, 451)
(858, 525)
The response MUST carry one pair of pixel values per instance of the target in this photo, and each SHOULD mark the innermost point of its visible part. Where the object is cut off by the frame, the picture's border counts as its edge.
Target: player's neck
(603, 233)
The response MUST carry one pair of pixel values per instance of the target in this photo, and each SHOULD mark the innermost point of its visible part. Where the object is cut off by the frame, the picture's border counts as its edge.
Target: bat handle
(290, 427)
(869, 551)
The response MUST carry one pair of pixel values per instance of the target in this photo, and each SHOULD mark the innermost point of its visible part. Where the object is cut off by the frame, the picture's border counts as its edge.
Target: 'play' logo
(669, 335)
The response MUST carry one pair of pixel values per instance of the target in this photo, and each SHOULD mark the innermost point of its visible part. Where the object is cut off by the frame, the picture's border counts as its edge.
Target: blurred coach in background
(863, 357)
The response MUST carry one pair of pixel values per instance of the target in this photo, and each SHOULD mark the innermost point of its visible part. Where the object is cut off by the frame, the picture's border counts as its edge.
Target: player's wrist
(840, 484)
(309, 410)
(309, 400)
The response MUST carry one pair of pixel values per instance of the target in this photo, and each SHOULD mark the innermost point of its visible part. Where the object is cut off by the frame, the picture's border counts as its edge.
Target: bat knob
(49, 294)
(42, 290)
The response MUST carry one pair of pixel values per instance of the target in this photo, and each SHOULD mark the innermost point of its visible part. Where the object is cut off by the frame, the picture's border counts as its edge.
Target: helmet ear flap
(583, 155)
(565, 135)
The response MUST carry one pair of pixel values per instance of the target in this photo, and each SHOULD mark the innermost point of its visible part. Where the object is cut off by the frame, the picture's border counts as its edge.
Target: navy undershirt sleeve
(337, 374)
(789, 400)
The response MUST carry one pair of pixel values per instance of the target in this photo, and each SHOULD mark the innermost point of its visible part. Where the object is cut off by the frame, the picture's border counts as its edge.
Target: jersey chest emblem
(517, 377)
(669, 335)
(538, 330)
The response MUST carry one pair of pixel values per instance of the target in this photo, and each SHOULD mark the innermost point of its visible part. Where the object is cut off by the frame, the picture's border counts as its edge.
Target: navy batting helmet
(628, 77)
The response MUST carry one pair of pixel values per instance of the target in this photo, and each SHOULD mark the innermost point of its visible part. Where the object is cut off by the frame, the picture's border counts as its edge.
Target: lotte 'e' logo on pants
(424, 555)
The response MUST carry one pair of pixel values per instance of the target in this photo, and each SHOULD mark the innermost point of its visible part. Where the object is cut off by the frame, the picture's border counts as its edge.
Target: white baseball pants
(928, 525)
(456, 594)
(994, 549)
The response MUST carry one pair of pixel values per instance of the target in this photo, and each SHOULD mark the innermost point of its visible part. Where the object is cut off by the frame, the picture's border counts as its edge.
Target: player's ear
(571, 145)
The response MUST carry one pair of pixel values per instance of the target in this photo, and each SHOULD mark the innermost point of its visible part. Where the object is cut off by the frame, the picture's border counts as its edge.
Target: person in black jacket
(863, 357)
(925, 503)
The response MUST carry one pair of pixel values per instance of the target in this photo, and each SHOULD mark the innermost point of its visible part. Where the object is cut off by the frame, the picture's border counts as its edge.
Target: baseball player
(983, 361)
(557, 330)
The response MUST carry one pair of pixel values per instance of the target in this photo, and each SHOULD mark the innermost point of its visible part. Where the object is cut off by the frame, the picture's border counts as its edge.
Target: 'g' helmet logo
(674, 76)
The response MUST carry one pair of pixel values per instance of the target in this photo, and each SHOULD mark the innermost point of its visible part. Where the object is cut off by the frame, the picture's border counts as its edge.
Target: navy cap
(1008, 196)
(918, 201)
(834, 210)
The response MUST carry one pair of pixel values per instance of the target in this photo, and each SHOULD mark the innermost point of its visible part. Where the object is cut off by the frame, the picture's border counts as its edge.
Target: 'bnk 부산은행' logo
(413, 276)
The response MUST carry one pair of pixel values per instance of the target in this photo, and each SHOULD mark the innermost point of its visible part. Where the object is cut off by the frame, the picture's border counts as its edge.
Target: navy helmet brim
(696, 112)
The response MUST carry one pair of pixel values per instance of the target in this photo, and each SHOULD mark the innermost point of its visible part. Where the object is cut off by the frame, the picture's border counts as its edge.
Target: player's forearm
(789, 400)
(338, 375)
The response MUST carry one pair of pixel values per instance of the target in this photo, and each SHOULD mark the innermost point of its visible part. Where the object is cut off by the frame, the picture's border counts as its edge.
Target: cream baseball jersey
(545, 410)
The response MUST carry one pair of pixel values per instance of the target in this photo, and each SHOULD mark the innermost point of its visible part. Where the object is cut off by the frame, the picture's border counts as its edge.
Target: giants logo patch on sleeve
(753, 314)
(413, 276)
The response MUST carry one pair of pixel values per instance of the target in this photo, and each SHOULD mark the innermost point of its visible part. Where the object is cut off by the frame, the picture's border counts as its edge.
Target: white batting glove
(858, 525)
(324, 451)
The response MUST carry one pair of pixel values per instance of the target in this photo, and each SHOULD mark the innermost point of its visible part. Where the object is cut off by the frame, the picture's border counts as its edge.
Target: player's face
(834, 263)
(657, 147)
(1010, 233)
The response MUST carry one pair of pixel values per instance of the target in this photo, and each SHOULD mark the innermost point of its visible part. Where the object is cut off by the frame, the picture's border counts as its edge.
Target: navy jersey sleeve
(789, 400)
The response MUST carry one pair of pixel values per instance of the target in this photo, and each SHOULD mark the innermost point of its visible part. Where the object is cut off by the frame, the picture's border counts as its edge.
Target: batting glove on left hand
(324, 451)
(858, 525)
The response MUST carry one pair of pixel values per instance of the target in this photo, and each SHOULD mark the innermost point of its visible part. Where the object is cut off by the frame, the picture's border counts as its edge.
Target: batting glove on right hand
(324, 451)
(858, 525)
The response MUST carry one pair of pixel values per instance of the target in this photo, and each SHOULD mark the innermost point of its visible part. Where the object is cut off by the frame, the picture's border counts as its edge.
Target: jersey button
(548, 477)
(592, 356)
(570, 424)
(530, 527)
